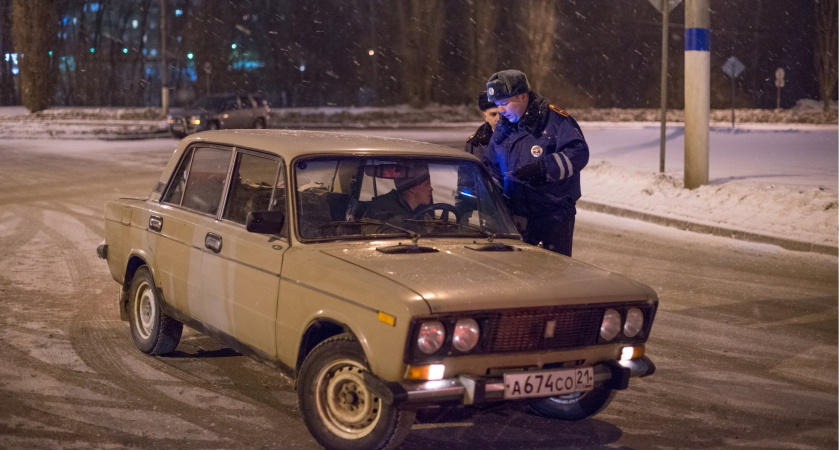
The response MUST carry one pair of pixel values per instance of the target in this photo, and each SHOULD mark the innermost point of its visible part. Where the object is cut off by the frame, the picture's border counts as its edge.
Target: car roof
(290, 144)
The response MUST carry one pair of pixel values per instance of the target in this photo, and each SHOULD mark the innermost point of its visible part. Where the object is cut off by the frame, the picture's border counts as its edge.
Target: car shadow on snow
(504, 426)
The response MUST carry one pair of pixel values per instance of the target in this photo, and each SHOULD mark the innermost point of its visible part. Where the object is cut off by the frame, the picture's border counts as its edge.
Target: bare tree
(8, 92)
(826, 57)
(34, 31)
(421, 26)
(540, 24)
(481, 41)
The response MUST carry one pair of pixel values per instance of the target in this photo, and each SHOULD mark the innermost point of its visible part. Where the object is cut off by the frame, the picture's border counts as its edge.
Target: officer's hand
(532, 172)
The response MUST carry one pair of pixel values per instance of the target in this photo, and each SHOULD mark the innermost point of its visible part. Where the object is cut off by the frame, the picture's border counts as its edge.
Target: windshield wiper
(368, 221)
(489, 235)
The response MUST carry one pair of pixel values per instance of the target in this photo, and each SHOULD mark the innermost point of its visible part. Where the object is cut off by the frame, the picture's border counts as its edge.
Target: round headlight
(635, 321)
(465, 336)
(611, 325)
(430, 337)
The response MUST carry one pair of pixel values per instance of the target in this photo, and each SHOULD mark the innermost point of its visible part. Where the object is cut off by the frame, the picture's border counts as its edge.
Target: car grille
(525, 330)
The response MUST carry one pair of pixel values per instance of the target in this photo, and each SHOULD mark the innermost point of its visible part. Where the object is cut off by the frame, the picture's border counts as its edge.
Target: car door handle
(156, 223)
(213, 241)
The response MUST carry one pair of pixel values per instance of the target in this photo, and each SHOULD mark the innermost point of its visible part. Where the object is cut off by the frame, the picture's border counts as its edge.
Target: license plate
(548, 383)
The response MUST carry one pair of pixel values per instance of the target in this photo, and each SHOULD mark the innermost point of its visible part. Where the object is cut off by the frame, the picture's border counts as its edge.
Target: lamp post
(164, 75)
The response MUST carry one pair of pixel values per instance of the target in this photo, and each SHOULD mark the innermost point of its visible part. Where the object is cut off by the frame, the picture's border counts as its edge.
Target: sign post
(697, 92)
(733, 68)
(665, 7)
(780, 83)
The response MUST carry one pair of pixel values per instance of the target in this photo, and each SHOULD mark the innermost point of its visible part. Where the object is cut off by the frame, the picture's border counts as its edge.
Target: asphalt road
(745, 340)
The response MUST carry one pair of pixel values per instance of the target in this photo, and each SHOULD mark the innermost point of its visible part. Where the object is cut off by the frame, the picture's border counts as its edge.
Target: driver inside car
(412, 190)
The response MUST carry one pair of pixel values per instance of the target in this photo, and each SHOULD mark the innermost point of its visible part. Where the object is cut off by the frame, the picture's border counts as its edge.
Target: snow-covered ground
(773, 179)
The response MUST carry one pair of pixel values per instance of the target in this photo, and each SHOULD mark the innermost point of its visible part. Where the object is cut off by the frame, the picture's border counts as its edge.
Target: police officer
(536, 153)
(477, 143)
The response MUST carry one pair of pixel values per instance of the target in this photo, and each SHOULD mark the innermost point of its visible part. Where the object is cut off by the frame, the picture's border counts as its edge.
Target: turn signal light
(430, 372)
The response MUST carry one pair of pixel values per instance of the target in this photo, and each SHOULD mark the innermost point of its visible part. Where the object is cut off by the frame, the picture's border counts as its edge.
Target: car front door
(241, 272)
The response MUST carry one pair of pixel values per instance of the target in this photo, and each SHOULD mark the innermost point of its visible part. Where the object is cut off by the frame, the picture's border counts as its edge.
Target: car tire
(153, 331)
(576, 406)
(338, 408)
(177, 135)
(260, 124)
(212, 126)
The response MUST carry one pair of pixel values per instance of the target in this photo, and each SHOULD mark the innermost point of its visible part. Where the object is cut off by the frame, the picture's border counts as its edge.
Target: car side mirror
(265, 222)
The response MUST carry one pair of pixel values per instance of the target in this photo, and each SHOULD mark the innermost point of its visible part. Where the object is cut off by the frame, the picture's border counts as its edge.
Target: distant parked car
(302, 249)
(217, 112)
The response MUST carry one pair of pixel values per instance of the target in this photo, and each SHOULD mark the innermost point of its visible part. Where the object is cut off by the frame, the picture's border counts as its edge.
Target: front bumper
(477, 390)
(184, 126)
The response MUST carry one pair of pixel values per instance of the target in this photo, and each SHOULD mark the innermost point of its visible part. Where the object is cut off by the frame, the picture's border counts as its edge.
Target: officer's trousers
(554, 231)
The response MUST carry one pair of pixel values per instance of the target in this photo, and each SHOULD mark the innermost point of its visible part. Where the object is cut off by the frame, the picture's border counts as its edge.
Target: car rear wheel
(213, 126)
(576, 406)
(338, 408)
(153, 331)
(260, 124)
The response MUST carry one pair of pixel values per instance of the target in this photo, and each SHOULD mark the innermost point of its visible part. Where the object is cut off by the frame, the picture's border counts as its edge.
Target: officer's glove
(531, 173)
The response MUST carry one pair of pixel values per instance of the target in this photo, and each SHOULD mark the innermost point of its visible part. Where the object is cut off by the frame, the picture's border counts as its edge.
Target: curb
(788, 244)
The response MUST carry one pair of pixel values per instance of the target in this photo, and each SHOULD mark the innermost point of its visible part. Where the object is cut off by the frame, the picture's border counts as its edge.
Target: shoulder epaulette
(559, 110)
(471, 137)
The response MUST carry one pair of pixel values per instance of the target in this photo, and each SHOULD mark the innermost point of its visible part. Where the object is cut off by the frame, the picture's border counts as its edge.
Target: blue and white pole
(697, 73)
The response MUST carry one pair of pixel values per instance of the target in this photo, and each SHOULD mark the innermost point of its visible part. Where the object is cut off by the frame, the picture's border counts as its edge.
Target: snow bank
(807, 214)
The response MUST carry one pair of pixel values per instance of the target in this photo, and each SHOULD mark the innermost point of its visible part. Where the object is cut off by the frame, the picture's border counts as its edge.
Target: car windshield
(209, 104)
(359, 197)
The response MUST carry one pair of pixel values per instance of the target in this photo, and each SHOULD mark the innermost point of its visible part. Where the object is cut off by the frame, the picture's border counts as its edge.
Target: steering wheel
(445, 209)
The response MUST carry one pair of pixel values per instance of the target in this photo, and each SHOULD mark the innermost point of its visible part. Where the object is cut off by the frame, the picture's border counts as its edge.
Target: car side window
(206, 180)
(176, 187)
(231, 103)
(257, 184)
(246, 102)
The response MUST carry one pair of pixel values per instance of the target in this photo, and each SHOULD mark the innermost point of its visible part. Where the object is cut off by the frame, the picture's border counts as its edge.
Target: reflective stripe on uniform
(565, 165)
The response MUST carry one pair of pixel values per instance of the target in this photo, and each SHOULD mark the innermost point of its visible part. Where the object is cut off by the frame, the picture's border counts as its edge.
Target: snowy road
(745, 340)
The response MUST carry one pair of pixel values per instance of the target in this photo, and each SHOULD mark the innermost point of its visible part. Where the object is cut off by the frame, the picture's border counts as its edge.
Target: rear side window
(257, 185)
(200, 180)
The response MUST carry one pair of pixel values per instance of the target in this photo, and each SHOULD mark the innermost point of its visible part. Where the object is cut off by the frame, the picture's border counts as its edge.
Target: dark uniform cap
(483, 102)
(506, 84)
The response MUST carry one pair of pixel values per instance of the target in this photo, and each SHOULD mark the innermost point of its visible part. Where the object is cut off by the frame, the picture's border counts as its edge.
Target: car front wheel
(338, 408)
(576, 406)
(153, 331)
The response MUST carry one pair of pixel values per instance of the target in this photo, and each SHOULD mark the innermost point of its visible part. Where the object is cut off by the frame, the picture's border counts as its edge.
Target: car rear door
(179, 225)
(241, 270)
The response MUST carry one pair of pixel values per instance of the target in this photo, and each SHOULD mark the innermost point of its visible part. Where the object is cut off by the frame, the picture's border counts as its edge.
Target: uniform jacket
(478, 142)
(544, 131)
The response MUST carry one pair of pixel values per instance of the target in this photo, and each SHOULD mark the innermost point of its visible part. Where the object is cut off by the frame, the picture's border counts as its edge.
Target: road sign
(733, 67)
(671, 4)
(780, 77)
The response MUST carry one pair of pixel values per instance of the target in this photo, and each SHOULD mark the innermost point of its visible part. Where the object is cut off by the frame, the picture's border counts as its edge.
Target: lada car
(313, 252)
(218, 112)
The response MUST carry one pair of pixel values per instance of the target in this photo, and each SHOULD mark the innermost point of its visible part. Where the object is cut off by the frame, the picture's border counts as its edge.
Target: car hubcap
(144, 311)
(345, 404)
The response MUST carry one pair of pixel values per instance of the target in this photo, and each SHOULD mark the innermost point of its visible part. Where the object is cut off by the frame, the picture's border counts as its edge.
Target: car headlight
(195, 120)
(430, 337)
(611, 325)
(634, 322)
(465, 336)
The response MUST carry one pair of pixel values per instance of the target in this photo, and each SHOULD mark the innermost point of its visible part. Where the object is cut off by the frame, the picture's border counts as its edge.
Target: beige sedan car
(384, 275)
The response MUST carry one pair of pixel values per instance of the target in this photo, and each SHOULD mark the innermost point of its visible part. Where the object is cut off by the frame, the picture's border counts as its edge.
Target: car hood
(460, 278)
